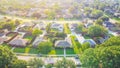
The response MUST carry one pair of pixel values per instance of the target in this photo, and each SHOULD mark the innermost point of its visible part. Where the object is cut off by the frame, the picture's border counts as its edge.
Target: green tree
(106, 54)
(35, 63)
(50, 13)
(108, 57)
(79, 28)
(6, 57)
(8, 25)
(65, 63)
(96, 14)
(97, 31)
(45, 47)
(85, 46)
(99, 22)
(112, 41)
(19, 64)
(49, 66)
(36, 32)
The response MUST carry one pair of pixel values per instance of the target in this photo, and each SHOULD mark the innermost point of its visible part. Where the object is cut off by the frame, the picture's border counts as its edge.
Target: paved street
(49, 59)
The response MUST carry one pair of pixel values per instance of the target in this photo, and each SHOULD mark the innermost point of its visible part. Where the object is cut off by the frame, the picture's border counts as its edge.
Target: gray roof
(62, 43)
(18, 42)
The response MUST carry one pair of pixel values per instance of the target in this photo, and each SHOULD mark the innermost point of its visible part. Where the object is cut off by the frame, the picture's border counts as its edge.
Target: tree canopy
(97, 31)
(6, 57)
(36, 32)
(45, 47)
(112, 41)
(65, 63)
(105, 55)
(36, 63)
(19, 64)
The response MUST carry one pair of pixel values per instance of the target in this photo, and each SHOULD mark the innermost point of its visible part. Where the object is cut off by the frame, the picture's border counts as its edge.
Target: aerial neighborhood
(60, 34)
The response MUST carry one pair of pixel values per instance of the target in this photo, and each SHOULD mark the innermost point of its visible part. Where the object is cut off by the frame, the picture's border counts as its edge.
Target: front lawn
(70, 51)
(19, 50)
(28, 37)
(59, 51)
(33, 51)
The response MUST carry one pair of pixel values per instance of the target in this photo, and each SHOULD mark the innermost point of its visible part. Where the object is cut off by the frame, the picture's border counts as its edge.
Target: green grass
(87, 37)
(27, 49)
(70, 51)
(117, 19)
(59, 51)
(19, 50)
(33, 51)
(29, 38)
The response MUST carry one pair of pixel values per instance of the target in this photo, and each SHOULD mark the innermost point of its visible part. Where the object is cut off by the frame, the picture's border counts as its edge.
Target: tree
(6, 57)
(105, 55)
(36, 63)
(96, 14)
(112, 41)
(85, 46)
(49, 66)
(50, 13)
(17, 22)
(19, 64)
(65, 63)
(8, 25)
(45, 47)
(52, 52)
(97, 31)
(99, 22)
(108, 57)
(79, 28)
(36, 32)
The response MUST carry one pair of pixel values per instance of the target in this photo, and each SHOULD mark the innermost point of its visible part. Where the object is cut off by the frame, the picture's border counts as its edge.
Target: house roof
(62, 43)
(108, 23)
(2, 40)
(55, 25)
(18, 42)
(40, 26)
(82, 40)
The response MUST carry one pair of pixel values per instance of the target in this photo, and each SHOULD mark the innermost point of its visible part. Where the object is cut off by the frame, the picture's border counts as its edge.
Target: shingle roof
(18, 42)
(62, 43)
